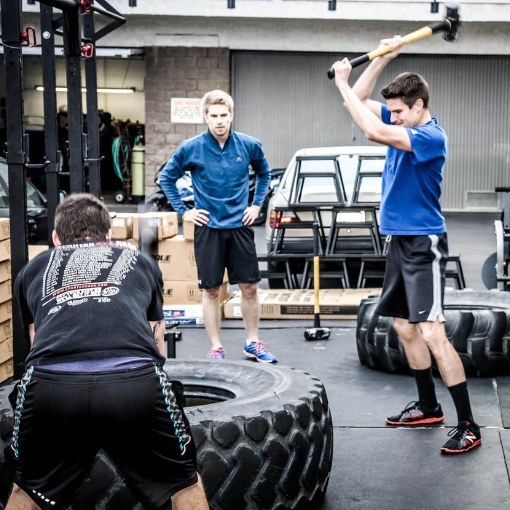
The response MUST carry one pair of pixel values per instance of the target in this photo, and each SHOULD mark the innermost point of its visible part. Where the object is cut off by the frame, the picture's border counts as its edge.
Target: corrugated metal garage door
(287, 101)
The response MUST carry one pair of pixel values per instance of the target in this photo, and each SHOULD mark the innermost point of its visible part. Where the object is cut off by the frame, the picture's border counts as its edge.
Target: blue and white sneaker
(257, 351)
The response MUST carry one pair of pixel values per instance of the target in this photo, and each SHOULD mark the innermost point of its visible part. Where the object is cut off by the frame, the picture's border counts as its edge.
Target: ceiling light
(100, 90)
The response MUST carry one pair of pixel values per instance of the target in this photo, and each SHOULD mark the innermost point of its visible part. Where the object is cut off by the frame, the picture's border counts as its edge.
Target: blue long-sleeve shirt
(220, 176)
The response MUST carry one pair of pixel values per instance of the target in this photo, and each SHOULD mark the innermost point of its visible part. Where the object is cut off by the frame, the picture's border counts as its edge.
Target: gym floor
(380, 467)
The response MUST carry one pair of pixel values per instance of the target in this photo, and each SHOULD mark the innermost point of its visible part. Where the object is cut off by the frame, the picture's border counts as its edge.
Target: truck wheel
(264, 438)
(477, 325)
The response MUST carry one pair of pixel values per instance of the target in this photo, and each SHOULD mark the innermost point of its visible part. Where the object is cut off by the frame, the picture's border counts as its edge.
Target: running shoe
(218, 353)
(417, 414)
(257, 350)
(464, 437)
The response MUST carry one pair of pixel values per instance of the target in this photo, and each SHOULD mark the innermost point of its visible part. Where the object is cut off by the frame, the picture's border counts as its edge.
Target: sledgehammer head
(453, 18)
(317, 334)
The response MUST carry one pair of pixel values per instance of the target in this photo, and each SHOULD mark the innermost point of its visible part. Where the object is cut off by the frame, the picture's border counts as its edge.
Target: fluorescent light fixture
(100, 90)
(100, 52)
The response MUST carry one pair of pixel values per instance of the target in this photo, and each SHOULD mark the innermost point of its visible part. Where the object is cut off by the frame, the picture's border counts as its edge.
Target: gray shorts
(414, 279)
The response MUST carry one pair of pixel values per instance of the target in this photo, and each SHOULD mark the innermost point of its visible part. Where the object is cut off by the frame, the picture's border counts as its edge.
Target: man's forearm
(364, 118)
(365, 84)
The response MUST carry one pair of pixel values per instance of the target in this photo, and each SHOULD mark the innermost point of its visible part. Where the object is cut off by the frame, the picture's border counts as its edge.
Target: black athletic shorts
(414, 280)
(62, 420)
(233, 249)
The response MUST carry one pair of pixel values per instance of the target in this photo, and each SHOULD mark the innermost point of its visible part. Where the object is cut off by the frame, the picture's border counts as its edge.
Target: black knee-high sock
(426, 387)
(460, 397)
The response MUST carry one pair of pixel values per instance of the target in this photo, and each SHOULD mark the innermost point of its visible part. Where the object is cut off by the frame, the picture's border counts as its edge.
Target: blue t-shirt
(411, 185)
(220, 176)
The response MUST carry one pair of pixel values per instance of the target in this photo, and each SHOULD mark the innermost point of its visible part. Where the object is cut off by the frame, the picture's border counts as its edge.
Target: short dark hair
(80, 217)
(409, 87)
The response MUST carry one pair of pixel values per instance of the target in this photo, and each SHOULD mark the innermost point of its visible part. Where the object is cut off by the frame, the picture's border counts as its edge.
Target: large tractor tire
(264, 439)
(477, 325)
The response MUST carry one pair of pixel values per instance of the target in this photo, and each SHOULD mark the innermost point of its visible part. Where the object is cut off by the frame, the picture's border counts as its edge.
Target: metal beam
(62, 4)
(16, 160)
(93, 157)
(72, 49)
(52, 155)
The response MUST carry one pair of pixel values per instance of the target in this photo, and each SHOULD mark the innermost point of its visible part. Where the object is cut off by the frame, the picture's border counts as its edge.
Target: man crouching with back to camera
(94, 376)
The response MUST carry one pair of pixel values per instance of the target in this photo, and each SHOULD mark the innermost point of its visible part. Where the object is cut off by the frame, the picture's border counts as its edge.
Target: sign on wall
(186, 110)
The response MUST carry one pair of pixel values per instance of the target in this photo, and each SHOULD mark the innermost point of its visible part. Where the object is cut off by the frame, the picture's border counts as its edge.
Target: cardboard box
(5, 350)
(165, 223)
(5, 291)
(5, 270)
(35, 249)
(5, 228)
(188, 230)
(6, 370)
(176, 259)
(5, 310)
(122, 226)
(183, 314)
(5, 249)
(181, 292)
(299, 303)
(5, 330)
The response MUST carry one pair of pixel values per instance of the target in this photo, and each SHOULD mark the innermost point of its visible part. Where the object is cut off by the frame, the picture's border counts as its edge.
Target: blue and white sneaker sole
(253, 357)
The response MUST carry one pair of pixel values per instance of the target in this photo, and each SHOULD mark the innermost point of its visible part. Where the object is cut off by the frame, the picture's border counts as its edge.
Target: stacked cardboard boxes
(6, 352)
(176, 258)
(299, 303)
(175, 255)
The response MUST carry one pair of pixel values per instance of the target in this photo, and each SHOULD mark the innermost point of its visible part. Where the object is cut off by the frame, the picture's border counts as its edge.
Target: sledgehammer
(449, 26)
(317, 332)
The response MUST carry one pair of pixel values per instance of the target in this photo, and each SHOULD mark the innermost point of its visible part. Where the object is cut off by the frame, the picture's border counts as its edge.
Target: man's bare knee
(212, 294)
(405, 330)
(20, 500)
(249, 290)
(191, 498)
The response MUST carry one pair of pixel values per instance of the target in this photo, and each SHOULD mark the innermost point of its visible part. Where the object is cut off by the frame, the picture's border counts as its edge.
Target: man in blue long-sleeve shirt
(218, 161)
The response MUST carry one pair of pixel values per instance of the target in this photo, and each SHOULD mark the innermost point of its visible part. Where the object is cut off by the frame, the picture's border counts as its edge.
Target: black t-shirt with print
(91, 300)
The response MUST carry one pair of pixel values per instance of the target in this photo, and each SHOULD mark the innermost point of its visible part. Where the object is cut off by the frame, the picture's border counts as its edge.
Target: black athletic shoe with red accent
(464, 437)
(416, 414)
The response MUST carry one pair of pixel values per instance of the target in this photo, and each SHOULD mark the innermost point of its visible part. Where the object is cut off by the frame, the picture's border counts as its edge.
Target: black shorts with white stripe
(414, 279)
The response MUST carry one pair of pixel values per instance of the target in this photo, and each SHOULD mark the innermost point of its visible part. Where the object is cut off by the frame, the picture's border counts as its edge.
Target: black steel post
(93, 151)
(50, 114)
(13, 63)
(72, 50)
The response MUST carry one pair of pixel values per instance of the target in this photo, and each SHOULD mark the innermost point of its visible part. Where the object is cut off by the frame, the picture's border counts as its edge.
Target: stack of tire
(264, 439)
(477, 325)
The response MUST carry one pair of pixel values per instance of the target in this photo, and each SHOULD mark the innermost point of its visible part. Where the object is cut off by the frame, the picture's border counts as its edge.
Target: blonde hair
(217, 97)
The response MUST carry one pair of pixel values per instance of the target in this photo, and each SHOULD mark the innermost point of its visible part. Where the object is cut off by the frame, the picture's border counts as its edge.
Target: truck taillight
(275, 219)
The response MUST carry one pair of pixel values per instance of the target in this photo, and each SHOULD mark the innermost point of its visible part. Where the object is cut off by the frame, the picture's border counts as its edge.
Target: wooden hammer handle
(417, 35)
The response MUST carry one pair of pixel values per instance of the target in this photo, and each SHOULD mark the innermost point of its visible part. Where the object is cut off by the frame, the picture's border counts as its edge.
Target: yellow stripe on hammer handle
(417, 35)
(316, 285)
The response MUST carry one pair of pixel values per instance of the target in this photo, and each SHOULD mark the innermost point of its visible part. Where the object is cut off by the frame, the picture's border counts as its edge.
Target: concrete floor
(380, 467)
(376, 466)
